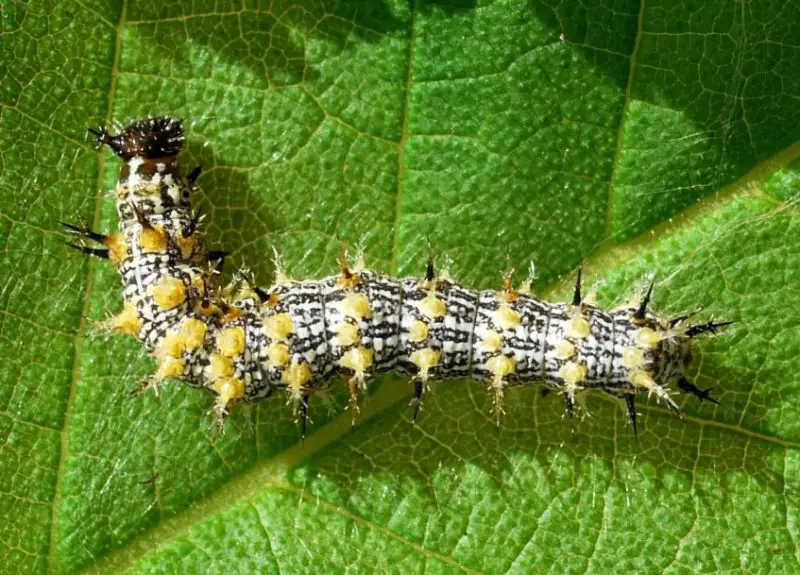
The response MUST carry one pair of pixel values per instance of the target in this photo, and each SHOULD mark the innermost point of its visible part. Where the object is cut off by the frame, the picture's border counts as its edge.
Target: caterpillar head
(148, 139)
(150, 183)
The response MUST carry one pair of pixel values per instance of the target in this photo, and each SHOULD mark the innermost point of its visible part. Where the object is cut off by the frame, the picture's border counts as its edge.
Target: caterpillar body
(243, 342)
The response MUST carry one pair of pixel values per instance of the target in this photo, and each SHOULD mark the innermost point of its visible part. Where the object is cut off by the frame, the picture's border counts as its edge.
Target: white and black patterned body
(243, 343)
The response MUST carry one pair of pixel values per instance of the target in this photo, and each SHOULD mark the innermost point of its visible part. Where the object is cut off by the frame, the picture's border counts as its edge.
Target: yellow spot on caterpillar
(168, 293)
(228, 389)
(278, 354)
(190, 336)
(199, 282)
(356, 305)
(432, 307)
(153, 240)
(632, 357)
(425, 359)
(117, 249)
(296, 376)
(507, 318)
(171, 345)
(348, 334)
(577, 327)
(207, 308)
(230, 341)
(572, 373)
(492, 340)
(564, 350)
(644, 380)
(359, 359)
(232, 314)
(187, 245)
(501, 366)
(418, 331)
(219, 366)
(274, 300)
(348, 279)
(647, 338)
(169, 366)
(279, 326)
(127, 321)
(193, 331)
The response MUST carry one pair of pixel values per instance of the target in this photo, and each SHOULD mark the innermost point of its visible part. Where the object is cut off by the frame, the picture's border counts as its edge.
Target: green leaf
(633, 137)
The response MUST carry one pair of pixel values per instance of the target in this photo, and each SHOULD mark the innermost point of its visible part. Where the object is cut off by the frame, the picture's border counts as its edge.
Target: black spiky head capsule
(150, 138)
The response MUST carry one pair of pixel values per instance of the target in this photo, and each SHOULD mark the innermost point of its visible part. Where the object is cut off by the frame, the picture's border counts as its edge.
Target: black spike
(630, 403)
(140, 217)
(101, 136)
(430, 271)
(419, 390)
(193, 223)
(303, 413)
(219, 257)
(677, 320)
(545, 391)
(702, 394)
(262, 294)
(99, 252)
(569, 405)
(642, 311)
(576, 299)
(194, 174)
(85, 232)
(711, 326)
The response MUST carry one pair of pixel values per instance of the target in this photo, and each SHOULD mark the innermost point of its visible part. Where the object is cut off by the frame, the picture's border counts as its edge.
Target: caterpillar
(243, 342)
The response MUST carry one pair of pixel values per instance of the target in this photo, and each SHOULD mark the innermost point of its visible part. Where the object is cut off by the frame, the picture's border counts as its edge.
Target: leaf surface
(633, 137)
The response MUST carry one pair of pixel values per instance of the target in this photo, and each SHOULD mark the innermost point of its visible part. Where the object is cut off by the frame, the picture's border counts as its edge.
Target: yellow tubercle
(633, 358)
(647, 338)
(501, 366)
(296, 376)
(356, 306)
(643, 380)
(153, 240)
(117, 248)
(577, 327)
(507, 318)
(348, 334)
(492, 341)
(169, 366)
(573, 373)
(359, 359)
(279, 326)
(171, 345)
(278, 354)
(126, 322)
(193, 331)
(564, 350)
(219, 366)
(228, 389)
(169, 292)
(432, 307)
(186, 245)
(230, 341)
(232, 314)
(425, 359)
(418, 331)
